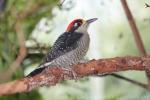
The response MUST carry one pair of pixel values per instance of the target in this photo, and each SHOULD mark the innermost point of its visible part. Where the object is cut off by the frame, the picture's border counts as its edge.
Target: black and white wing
(65, 43)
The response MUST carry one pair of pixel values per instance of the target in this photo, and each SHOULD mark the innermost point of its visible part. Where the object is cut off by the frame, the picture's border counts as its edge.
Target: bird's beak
(91, 20)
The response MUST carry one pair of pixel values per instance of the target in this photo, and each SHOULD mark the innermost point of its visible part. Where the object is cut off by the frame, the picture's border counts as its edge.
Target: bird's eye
(77, 24)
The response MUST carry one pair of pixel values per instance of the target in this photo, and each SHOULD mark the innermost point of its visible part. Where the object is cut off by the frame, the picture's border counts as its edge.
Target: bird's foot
(71, 71)
(83, 61)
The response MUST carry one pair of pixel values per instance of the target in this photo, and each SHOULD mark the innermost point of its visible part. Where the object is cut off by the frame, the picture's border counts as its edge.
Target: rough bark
(54, 75)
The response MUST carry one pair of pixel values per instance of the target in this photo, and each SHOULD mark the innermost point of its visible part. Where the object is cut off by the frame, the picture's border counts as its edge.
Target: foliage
(8, 38)
(34, 95)
(29, 12)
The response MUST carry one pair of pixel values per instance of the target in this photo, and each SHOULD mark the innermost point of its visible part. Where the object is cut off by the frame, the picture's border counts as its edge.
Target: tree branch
(137, 36)
(134, 28)
(53, 75)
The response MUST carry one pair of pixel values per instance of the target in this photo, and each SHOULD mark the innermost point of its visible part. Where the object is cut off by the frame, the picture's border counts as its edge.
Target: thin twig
(53, 75)
(137, 36)
(131, 81)
(62, 2)
(126, 79)
(147, 5)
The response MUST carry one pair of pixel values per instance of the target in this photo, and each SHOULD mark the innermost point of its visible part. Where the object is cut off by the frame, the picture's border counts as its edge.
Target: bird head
(79, 25)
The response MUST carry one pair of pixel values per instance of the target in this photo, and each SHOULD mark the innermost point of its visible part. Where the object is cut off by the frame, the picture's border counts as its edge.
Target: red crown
(72, 24)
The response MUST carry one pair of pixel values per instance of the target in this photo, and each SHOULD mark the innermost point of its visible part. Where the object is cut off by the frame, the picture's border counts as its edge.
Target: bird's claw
(72, 72)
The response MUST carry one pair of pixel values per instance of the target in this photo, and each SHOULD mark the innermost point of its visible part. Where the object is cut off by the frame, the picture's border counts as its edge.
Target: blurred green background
(35, 25)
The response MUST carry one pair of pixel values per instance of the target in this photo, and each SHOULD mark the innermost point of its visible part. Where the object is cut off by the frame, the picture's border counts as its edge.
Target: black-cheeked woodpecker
(70, 47)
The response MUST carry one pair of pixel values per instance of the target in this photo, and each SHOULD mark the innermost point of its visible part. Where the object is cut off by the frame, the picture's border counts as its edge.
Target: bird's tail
(35, 72)
(40, 68)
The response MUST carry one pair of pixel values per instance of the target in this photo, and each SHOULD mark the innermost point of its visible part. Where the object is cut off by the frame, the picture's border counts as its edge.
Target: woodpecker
(70, 47)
